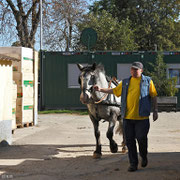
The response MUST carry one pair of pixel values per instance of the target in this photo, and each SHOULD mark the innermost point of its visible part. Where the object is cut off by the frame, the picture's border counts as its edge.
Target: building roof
(8, 58)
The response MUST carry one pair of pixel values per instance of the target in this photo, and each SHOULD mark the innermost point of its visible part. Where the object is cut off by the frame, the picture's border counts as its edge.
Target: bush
(164, 86)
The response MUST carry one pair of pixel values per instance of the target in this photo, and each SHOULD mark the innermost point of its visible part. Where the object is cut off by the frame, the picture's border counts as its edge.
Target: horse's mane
(99, 68)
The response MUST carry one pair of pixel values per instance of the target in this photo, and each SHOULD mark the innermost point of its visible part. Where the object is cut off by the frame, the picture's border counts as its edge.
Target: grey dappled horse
(107, 109)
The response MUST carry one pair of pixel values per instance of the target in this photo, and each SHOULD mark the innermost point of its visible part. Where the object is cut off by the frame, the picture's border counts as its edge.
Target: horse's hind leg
(121, 131)
(97, 153)
(109, 134)
(124, 148)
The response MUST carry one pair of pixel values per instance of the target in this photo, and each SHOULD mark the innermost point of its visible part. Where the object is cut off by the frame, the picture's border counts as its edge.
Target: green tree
(175, 35)
(112, 35)
(164, 86)
(155, 22)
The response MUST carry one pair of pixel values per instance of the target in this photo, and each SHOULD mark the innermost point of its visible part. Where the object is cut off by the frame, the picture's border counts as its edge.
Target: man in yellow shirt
(136, 93)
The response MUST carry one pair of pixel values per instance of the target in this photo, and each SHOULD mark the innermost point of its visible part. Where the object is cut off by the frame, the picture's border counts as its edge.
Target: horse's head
(86, 80)
(89, 76)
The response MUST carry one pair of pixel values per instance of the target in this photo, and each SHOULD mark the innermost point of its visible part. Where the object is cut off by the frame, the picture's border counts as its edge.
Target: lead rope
(109, 85)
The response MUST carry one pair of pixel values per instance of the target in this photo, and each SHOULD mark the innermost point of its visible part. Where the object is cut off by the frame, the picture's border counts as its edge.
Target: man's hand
(155, 115)
(103, 90)
(96, 88)
(155, 109)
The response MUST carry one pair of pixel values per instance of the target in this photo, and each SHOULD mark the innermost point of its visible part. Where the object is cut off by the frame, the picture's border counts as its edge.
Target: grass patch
(78, 112)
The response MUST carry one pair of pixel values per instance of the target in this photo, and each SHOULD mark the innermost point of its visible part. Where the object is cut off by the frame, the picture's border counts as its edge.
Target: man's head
(136, 69)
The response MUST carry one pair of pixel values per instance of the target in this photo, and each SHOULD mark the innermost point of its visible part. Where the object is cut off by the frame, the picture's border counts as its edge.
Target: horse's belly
(102, 111)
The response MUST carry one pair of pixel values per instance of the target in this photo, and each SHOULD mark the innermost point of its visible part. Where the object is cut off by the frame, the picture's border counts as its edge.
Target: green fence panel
(56, 94)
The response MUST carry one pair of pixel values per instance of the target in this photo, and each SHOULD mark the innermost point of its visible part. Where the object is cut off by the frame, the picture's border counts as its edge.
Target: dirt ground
(61, 148)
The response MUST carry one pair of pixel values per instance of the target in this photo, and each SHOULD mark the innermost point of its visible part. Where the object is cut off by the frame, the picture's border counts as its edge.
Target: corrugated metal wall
(55, 93)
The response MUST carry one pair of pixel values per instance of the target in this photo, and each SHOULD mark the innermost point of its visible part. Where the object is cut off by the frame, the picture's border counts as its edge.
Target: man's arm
(104, 90)
(155, 108)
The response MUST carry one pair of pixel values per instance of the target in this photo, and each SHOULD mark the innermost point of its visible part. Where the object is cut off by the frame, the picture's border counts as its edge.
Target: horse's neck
(102, 83)
(101, 80)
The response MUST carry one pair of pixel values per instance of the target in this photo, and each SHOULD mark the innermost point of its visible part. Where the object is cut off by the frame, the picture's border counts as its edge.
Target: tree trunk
(26, 35)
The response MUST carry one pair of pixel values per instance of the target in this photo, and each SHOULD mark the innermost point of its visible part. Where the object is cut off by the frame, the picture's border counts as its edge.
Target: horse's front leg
(109, 134)
(97, 153)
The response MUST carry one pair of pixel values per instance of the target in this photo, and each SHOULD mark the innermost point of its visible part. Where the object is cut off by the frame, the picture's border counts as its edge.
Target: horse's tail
(119, 129)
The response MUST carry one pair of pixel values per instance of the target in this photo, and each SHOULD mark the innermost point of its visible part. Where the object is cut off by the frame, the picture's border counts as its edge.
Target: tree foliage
(154, 21)
(164, 86)
(141, 24)
(112, 35)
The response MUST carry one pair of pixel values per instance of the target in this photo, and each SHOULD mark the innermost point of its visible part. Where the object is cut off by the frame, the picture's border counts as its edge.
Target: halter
(109, 85)
(113, 79)
(91, 88)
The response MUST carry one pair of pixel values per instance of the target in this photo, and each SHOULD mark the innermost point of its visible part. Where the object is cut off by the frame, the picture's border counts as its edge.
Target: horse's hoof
(124, 150)
(96, 155)
(114, 148)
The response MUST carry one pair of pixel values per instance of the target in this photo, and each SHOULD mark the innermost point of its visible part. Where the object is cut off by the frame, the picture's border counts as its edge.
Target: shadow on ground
(72, 162)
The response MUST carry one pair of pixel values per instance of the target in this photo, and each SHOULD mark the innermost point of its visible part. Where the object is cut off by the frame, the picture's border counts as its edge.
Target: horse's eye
(93, 77)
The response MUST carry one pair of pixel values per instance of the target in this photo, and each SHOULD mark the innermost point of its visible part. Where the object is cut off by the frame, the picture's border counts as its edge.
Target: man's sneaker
(132, 168)
(144, 162)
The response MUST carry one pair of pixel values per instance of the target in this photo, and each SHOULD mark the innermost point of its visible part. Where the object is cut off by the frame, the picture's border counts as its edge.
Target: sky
(37, 45)
(91, 1)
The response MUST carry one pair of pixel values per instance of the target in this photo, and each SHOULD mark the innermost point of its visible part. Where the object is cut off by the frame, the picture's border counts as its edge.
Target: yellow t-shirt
(132, 106)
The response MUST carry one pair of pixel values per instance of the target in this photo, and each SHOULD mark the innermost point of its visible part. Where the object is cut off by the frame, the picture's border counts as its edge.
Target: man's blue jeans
(136, 130)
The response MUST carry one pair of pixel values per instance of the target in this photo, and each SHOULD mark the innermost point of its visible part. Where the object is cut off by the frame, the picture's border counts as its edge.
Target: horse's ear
(80, 67)
(94, 66)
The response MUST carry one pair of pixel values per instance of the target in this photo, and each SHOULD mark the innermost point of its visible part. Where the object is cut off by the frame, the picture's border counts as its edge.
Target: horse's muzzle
(84, 98)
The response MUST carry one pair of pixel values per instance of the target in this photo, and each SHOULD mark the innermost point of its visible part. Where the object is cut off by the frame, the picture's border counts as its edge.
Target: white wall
(6, 101)
(5, 92)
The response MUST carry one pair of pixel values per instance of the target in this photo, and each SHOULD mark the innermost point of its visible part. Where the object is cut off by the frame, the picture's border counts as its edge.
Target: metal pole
(89, 42)
(155, 47)
(41, 60)
(41, 25)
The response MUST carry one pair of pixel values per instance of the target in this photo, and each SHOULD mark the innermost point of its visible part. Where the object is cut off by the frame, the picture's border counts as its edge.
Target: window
(175, 73)
(173, 70)
(73, 75)
(123, 71)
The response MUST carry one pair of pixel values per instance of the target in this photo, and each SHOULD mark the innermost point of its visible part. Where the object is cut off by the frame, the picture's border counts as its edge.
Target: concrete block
(6, 131)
